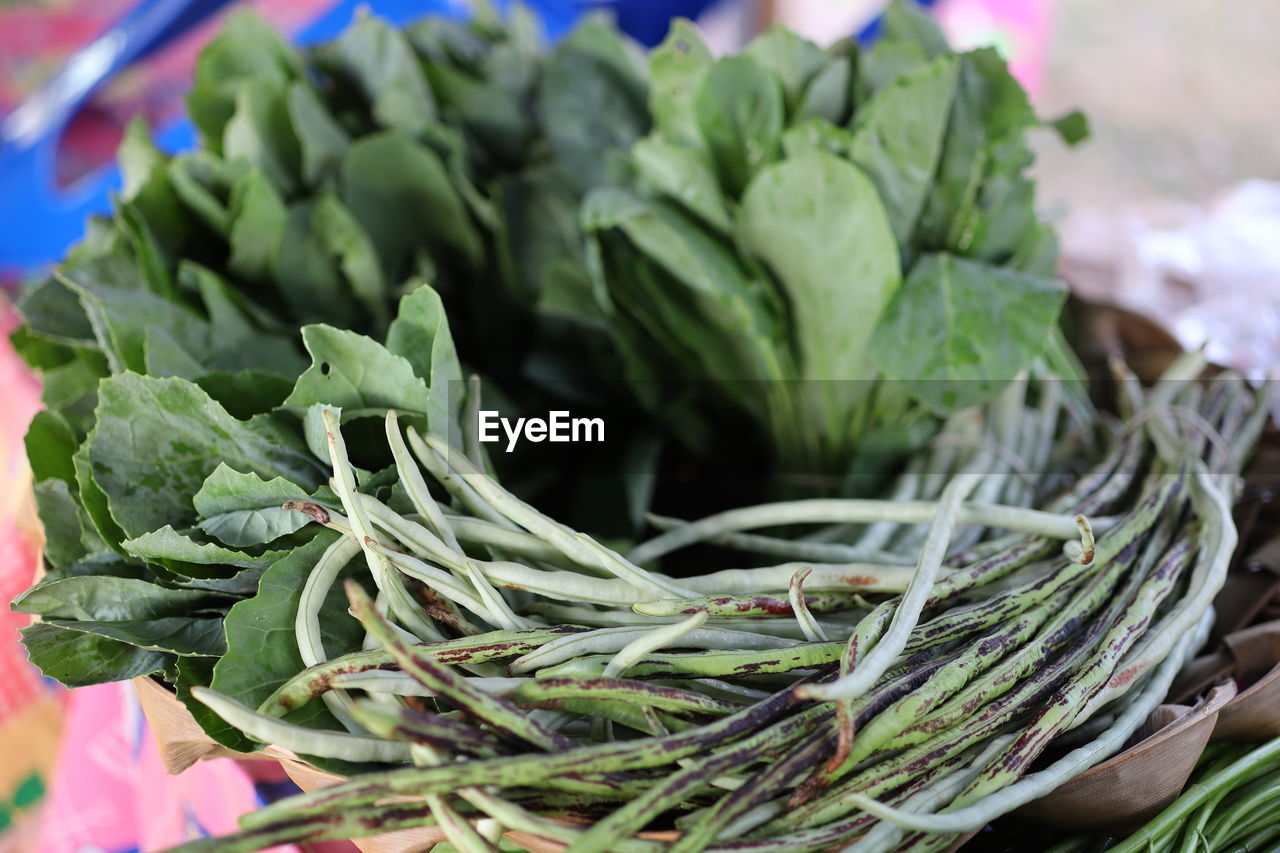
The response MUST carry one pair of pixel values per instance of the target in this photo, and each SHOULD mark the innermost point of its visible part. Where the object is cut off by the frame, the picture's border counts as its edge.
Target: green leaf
(50, 444)
(200, 182)
(246, 47)
(377, 60)
(939, 334)
(392, 186)
(52, 310)
(78, 660)
(258, 216)
(739, 111)
(1072, 128)
(122, 319)
(164, 356)
(245, 393)
(261, 135)
(676, 69)
(354, 253)
(683, 175)
(60, 518)
(157, 440)
(990, 110)
(591, 100)
(181, 635)
(816, 133)
(709, 302)
(793, 58)
(420, 335)
(109, 599)
(898, 136)
(305, 268)
(243, 509)
(495, 117)
(262, 650)
(146, 186)
(168, 544)
(351, 371)
(906, 22)
(94, 500)
(321, 139)
(819, 224)
(829, 94)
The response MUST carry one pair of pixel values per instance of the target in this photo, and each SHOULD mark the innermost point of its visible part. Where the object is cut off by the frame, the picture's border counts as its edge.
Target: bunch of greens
(178, 512)
(801, 221)
(327, 183)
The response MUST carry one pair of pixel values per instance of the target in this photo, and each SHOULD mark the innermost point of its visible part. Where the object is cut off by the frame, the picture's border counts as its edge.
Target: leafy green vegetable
(79, 659)
(977, 327)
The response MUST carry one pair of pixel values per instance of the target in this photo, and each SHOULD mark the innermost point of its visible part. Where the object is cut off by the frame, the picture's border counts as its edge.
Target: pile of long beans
(888, 685)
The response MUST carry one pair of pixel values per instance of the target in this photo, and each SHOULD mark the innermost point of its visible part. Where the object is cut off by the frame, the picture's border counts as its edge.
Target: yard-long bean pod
(480, 648)
(747, 606)
(388, 581)
(578, 547)
(307, 622)
(799, 605)
(299, 739)
(419, 495)
(606, 640)
(496, 712)
(792, 549)
(819, 511)
(871, 665)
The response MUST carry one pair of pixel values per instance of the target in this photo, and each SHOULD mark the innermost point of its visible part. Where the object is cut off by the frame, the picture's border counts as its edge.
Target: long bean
(873, 665)
(819, 511)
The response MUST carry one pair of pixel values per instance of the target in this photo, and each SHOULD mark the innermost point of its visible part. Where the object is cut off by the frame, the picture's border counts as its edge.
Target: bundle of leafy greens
(761, 231)
(183, 513)
(802, 223)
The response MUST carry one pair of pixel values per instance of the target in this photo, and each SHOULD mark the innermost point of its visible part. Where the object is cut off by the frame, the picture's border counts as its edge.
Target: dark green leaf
(376, 58)
(684, 175)
(246, 47)
(261, 135)
(78, 660)
(394, 187)
(420, 335)
(739, 111)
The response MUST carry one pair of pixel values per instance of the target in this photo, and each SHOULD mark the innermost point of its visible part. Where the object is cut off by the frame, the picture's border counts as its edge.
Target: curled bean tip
(313, 510)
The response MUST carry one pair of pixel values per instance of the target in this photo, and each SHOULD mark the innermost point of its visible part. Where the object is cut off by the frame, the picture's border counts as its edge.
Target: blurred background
(1171, 209)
